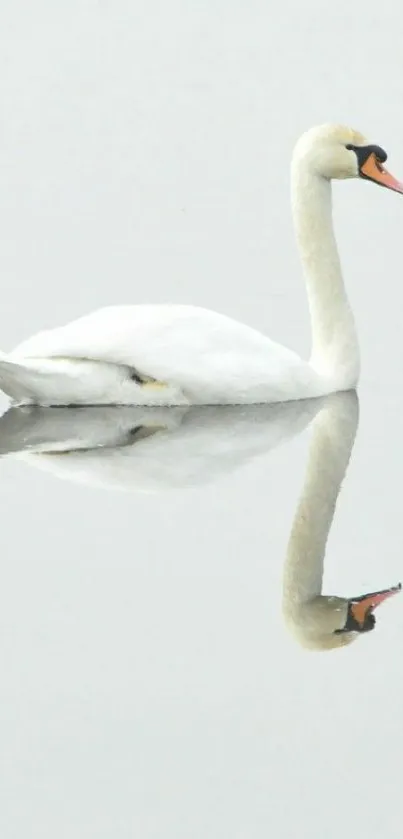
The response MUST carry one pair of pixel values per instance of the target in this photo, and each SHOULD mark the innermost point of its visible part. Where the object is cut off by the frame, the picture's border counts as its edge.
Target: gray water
(149, 686)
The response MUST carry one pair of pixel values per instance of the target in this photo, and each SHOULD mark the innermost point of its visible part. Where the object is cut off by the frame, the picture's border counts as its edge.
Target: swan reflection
(158, 449)
(318, 621)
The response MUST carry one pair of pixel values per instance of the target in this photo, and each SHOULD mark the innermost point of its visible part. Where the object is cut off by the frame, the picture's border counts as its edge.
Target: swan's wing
(200, 446)
(204, 353)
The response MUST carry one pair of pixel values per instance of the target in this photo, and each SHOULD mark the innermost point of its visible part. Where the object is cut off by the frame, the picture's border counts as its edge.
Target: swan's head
(327, 623)
(335, 151)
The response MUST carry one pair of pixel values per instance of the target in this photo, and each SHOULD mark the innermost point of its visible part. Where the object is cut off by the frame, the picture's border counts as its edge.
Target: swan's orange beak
(362, 606)
(373, 170)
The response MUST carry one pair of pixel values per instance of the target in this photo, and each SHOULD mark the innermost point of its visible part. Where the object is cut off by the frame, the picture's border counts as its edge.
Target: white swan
(179, 355)
(317, 621)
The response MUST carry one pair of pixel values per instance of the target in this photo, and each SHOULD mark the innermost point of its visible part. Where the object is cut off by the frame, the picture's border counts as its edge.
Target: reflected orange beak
(360, 606)
(373, 170)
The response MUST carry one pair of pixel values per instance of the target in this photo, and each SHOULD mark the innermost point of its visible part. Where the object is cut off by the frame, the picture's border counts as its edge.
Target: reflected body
(149, 449)
(184, 355)
(319, 621)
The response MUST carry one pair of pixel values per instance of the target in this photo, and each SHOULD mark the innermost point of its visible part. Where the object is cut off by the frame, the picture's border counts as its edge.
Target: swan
(181, 355)
(318, 621)
(146, 449)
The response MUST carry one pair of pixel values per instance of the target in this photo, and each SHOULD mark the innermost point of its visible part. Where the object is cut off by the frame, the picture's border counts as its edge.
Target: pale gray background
(148, 686)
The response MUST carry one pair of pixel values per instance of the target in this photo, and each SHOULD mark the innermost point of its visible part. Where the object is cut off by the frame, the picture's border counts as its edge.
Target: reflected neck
(333, 437)
(335, 352)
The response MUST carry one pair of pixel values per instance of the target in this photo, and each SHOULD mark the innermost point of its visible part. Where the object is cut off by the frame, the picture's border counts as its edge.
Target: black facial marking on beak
(352, 624)
(363, 153)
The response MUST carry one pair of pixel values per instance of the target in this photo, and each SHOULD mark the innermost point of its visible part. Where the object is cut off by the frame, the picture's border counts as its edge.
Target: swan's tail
(57, 381)
(19, 382)
(68, 381)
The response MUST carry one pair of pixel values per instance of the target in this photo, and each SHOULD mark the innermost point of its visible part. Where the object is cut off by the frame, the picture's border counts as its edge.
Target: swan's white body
(181, 355)
(197, 357)
(316, 620)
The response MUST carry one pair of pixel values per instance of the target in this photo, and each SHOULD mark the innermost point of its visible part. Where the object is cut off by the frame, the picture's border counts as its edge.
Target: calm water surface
(149, 685)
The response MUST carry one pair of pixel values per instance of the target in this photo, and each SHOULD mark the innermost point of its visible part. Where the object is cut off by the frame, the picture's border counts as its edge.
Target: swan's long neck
(333, 437)
(335, 352)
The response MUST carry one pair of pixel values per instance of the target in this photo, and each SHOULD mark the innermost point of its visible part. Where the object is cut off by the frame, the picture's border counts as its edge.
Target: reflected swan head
(327, 623)
(336, 151)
